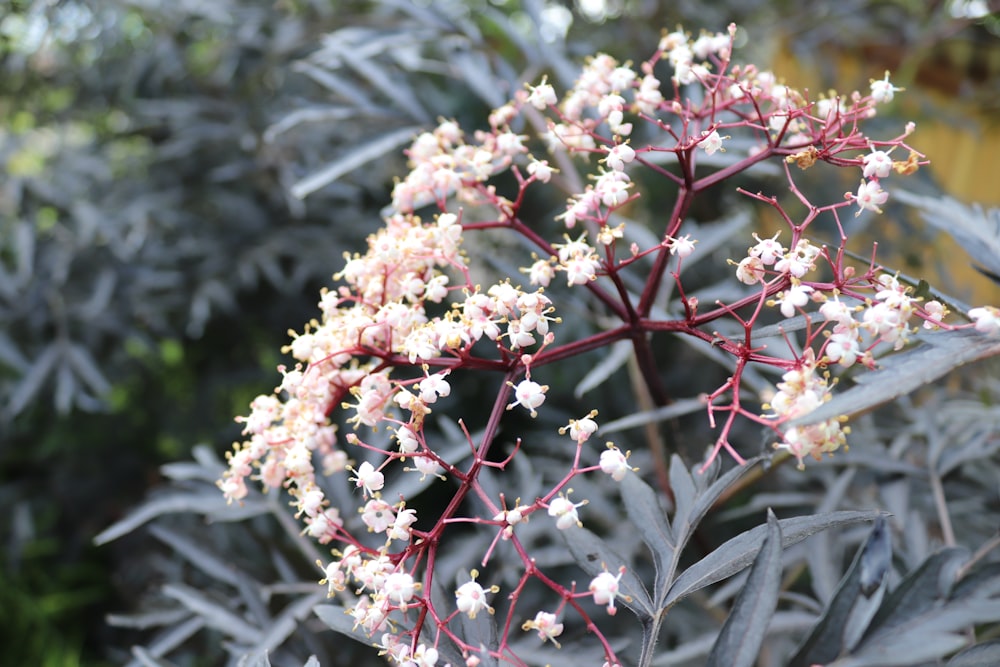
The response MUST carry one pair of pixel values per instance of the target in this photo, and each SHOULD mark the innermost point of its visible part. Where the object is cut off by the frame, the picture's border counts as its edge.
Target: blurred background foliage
(180, 179)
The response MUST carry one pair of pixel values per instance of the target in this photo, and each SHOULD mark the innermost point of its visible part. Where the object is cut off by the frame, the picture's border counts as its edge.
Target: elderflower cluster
(795, 262)
(802, 390)
(407, 320)
(382, 586)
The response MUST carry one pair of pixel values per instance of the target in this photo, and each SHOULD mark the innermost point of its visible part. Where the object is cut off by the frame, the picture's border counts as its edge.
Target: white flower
(799, 261)
(401, 525)
(612, 187)
(768, 250)
(529, 394)
(618, 156)
(581, 429)
(470, 598)
(407, 440)
(614, 463)
(541, 273)
(987, 320)
(425, 656)
(433, 386)
(580, 270)
(843, 347)
(400, 588)
(604, 587)
(711, 142)
(368, 479)
(542, 95)
(682, 247)
(835, 310)
(750, 270)
(426, 465)
(541, 170)
(877, 164)
(565, 512)
(794, 297)
(882, 90)
(546, 626)
(511, 517)
(378, 515)
(936, 312)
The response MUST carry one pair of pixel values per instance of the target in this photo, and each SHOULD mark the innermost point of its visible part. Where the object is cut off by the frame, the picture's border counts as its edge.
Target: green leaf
(743, 633)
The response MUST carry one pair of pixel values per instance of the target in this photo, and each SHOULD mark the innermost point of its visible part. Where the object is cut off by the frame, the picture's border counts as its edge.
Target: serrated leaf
(926, 618)
(357, 157)
(876, 558)
(977, 231)
(984, 581)
(788, 325)
(286, 622)
(148, 619)
(481, 632)
(706, 489)
(171, 639)
(986, 654)
(642, 504)
(743, 632)
(146, 658)
(209, 502)
(86, 368)
(33, 379)
(594, 556)
(902, 373)
(683, 488)
(905, 651)
(475, 70)
(208, 563)
(614, 359)
(254, 659)
(182, 471)
(827, 639)
(213, 613)
(11, 355)
(65, 388)
(919, 591)
(678, 408)
(336, 618)
(738, 552)
(709, 493)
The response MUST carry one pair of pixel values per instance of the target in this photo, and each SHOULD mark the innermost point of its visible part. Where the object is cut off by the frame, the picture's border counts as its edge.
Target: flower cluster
(408, 320)
(801, 391)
